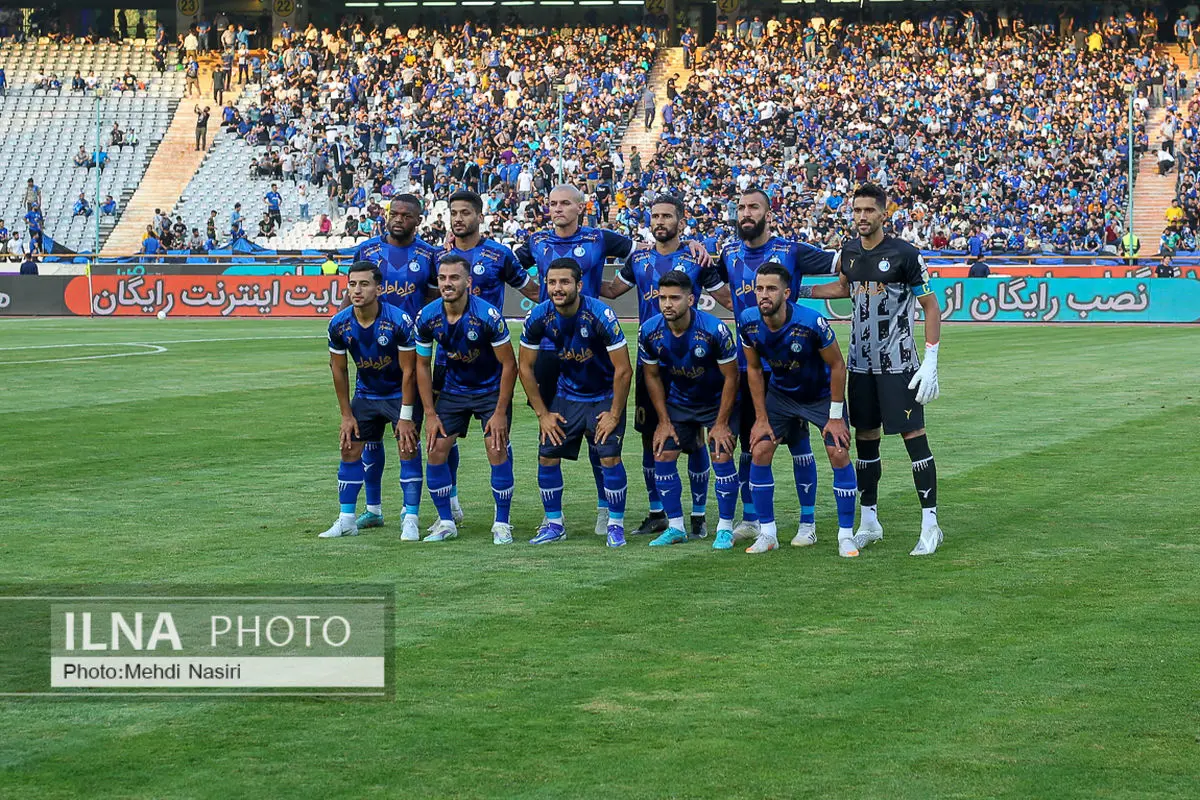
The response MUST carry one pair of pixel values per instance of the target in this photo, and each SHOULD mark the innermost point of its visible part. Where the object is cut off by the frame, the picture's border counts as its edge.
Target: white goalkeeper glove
(926, 380)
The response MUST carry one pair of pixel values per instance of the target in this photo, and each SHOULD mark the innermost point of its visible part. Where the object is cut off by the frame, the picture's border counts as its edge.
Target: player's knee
(353, 452)
(838, 457)
(914, 434)
(722, 458)
(763, 452)
(868, 434)
(543, 461)
(610, 462)
(441, 450)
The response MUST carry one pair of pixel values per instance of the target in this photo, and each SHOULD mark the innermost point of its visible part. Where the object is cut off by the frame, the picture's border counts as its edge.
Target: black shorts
(373, 417)
(581, 424)
(884, 400)
(546, 371)
(789, 418)
(455, 411)
(645, 417)
(690, 428)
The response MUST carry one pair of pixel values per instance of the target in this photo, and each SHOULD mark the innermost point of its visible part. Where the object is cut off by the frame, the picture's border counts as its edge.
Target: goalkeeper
(888, 386)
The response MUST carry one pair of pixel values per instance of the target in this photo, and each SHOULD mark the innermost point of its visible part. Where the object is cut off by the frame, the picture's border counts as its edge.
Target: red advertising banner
(206, 295)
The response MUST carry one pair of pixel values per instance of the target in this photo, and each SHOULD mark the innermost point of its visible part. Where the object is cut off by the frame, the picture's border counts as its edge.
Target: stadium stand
(44, 120)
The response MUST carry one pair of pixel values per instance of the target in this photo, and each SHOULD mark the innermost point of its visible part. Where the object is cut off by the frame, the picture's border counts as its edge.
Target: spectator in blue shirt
(82, 207)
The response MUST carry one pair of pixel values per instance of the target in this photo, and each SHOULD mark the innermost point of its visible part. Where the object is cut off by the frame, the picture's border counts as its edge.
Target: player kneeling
(481, 372)
(807, 384)
(380, 338)
(698, 355)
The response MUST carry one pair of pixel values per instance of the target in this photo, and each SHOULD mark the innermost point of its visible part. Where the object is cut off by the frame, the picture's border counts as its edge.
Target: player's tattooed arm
(826, 291)
(723, 297)
(614, 288)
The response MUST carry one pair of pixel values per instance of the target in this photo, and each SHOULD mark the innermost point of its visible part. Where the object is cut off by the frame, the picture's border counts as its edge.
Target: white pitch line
(154, 350)
(163, 341)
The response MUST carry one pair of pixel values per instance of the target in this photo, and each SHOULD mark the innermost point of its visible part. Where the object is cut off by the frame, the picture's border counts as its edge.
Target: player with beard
(408, 265)
(738, 265)
(643, 270)
(590, 248)
(889, 386)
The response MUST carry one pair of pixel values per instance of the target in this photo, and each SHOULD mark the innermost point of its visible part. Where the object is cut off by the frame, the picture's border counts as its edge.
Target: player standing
(590, 394)
(690, 362)
(796, 375)
(380, 339)
(480, 374)
(409, 276)
(889, 387)
(738, 264)
(643, 270)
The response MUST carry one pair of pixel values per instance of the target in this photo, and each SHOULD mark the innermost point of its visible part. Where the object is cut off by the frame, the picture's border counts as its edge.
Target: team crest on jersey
(797, 347)
(585, 332)
(477, 269)
(383, 340)
(472, 335)
(414, 266)
(699, 351)
(885, 265)
(579, 251)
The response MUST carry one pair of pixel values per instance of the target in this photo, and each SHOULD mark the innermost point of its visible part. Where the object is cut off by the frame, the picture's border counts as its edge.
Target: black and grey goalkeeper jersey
(885, 283)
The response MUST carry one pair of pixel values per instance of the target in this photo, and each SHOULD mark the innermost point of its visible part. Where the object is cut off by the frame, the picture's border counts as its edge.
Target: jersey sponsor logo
(885, 265)
(373, 363)
(578, 356)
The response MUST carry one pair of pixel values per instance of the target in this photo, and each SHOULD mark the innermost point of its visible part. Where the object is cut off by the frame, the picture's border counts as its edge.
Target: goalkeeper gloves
(926, 379)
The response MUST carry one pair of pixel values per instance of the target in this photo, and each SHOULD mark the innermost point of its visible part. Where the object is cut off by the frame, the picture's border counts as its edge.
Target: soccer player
(889, 387)
(806, 382)
(738, 264)
(409, 275)
(480, 374)
(690, 362)
(589, 398)
(589, 248)
(492, 266)
(380, 339)
(642, 270)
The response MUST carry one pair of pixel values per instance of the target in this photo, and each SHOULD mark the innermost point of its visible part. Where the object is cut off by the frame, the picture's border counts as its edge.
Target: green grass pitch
(1050, 649)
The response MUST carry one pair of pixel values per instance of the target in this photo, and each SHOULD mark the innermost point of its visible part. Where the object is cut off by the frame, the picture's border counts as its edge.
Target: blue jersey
(492, 266)
(582, 342)
(643, 269)
(471, 364)
(408, 272)
(689, 363)
(792, 354)
(738, 266)
(375, 350)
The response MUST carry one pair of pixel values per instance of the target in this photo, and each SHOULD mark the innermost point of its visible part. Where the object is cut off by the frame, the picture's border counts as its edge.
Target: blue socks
(804, 468)
(374, 458)
(438, 476)
(410, 483)
(727, 493)
(615, 485)
(350, 482)
(649, 473)
(502, 488)
(670, 489)
(762, 484)
(550, 481)
(452, 463)
(845, 487)
(598, 476)
(749, 510)
(698, 469)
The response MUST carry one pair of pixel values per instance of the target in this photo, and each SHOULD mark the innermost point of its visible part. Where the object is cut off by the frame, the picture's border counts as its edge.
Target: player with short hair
(493, 266)
(589, 401)
(643, 270)
(797, 376)
(480, 374)
(738, 264)
(409, 279)
(380, 339)
(889, 386)
(690, 362)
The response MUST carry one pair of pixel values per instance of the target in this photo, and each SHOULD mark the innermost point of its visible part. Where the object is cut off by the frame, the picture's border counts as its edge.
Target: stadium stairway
(1153, 193)
(637, 134)
(170, 170)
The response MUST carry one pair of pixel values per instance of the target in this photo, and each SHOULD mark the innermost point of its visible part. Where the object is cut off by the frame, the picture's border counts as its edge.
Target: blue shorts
(580, 423)
(455, 411)
(789, 418)
(690, 425)
(373, 417)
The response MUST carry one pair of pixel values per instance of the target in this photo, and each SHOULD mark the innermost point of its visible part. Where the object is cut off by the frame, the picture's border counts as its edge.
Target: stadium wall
(1037, 300)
